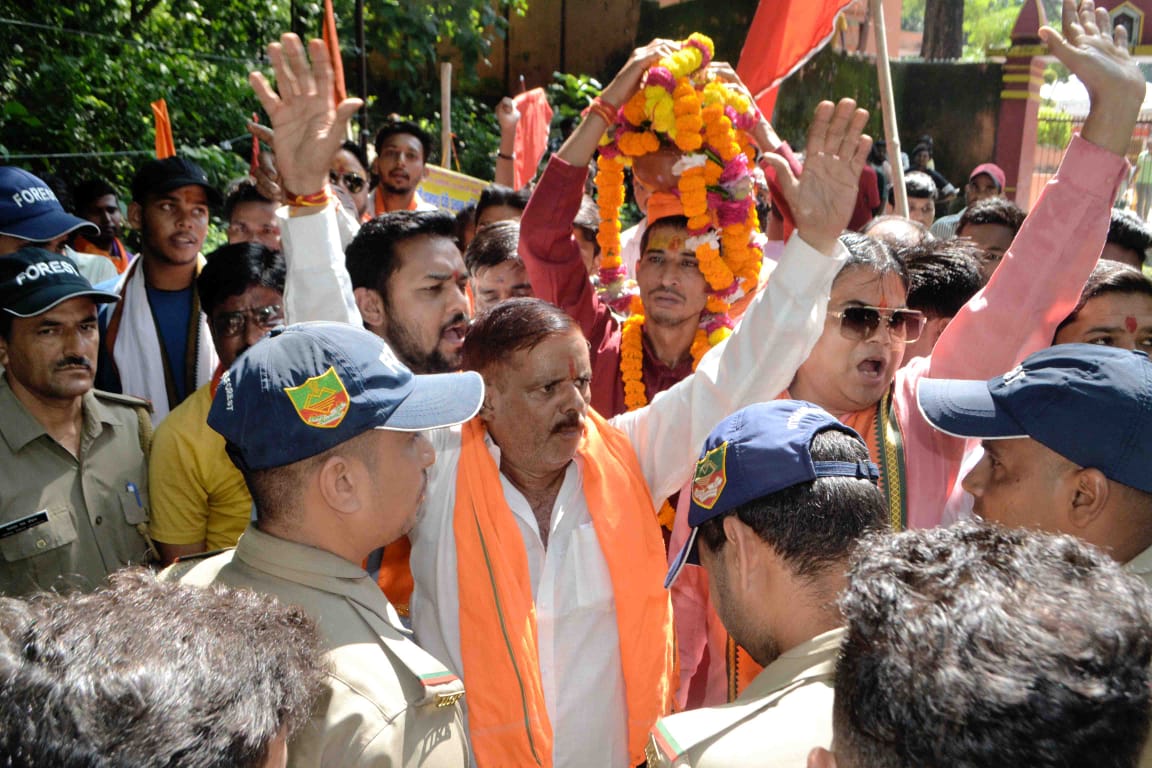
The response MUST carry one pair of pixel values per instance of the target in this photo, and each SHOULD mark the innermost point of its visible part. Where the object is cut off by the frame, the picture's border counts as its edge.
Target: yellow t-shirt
(197, 492)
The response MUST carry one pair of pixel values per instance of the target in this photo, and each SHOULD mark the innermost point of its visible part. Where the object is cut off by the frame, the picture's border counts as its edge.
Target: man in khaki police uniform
(327, 427)
(1067, 438)
(782, 493)
(73, 460)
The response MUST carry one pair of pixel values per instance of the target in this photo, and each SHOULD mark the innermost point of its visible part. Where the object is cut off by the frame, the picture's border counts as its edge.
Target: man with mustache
(73, 460)
(409, 280)
(538, 561)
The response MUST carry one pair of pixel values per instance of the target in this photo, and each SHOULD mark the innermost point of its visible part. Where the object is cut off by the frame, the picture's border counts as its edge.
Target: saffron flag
(254, 166)
(531, 134)
(165, 146)
(332, 43)
(784, 34)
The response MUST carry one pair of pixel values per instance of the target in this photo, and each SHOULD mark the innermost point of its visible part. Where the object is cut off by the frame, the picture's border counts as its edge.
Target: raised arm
(1040, 278)
(781, 325)
(308, 127)
(547, 247)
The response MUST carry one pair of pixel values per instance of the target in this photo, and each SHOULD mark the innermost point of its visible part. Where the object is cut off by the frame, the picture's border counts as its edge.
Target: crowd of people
(379, 484)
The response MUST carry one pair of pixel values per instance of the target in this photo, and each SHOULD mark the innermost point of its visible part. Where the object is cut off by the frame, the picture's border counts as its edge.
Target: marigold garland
(708, 122)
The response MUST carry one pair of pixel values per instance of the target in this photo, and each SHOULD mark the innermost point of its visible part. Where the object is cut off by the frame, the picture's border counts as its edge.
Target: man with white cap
(327, 427)
(1067, 439)
(782, 493)
(73, 460)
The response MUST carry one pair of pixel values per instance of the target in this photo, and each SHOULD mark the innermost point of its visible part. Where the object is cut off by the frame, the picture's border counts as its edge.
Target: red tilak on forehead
(883, 302)
(571, 368)
(1130, 324)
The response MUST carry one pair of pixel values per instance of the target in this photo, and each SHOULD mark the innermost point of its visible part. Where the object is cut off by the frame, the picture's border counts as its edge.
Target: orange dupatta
(507, 718)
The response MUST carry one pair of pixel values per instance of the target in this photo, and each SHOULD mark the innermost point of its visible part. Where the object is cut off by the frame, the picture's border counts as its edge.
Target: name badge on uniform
(23, 524)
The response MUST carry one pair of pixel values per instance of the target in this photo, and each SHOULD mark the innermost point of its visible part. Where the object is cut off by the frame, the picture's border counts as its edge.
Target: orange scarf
(382, 208)
(116, 253)
(507, 718)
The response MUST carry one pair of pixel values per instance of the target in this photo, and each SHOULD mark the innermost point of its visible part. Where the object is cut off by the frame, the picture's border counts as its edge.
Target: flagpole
(888, 109)
(446, 114)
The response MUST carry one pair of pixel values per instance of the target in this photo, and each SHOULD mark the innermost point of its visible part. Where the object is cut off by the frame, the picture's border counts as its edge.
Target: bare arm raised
(1099, 58)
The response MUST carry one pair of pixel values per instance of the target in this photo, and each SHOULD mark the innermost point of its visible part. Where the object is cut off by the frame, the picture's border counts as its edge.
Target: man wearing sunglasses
(199, 500)
(854, 370)
(349, 172)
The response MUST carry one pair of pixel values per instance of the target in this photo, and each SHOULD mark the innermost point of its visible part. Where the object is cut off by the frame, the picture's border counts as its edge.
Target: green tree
(77, 77)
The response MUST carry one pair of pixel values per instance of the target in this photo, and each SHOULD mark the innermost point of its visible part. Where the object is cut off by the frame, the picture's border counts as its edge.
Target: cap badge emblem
(321, 401)
(711, 476)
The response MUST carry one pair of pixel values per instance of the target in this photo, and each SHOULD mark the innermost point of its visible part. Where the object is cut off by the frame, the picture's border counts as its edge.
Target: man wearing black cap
(155, 342)
(73, 461)
(782, 493)
(327, 427)
(1067, 439)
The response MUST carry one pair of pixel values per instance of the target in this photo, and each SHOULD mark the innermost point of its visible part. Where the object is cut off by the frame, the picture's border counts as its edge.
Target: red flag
(165, 146)
(784, 34)
(332, 42)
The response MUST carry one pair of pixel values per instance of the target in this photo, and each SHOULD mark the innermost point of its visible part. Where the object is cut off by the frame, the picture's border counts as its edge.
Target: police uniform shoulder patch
(321, 401)
(118, 399)
(711, 476)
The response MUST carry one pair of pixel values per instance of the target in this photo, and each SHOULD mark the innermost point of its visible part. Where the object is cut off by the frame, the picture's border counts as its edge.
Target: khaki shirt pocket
(58, 531)
(135, 506)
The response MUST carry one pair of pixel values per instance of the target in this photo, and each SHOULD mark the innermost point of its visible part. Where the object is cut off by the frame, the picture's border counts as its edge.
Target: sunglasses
(353, 182)
(228, 324)
(859, 323)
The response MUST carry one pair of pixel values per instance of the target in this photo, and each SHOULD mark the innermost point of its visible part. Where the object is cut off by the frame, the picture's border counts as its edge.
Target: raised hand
(627, 80)
(763, 134)
(1101, 61)
(308, 125)
(507, 115)
(823, 197)
(264, 175)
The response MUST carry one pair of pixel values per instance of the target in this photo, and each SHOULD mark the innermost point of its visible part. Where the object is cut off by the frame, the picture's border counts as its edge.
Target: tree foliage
(986, 23)
(77, 77)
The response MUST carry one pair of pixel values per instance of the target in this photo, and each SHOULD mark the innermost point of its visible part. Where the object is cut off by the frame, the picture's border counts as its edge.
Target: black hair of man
(354, 149)
(396, 124)
(974, 645)
(234, 268)
(1128, 230)
(865, 251)
(371, 256)
(992, 210)
(498, 194)
(942, 276)
(916, 184)
(588, 221)
(241, 191)
(91, 190)
(1109, 277)
(510, 326)
(679, 222)
(812, 526)
(493, 244)
(152, 674)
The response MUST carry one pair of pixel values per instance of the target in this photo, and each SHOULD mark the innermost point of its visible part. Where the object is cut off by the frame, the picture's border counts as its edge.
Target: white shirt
(579, 647)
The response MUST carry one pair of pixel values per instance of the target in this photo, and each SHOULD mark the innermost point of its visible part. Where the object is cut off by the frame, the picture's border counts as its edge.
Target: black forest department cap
(33, 281)
(755, 452)
(312, 386)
